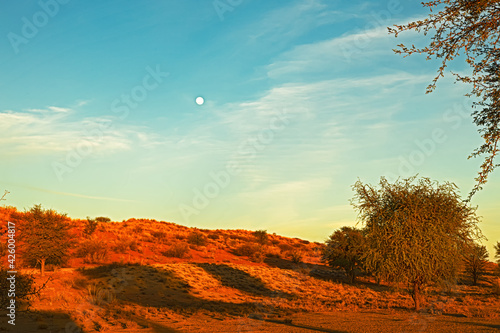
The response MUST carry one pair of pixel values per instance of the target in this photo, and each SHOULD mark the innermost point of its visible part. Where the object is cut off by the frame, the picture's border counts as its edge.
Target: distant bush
(90, 226)
(296, 256)
(178, 250)
(159, 235)
(138, 229)
(197, 238)
(103, 219)
(93, 251)
(285, 247)
(213, 235)
(261, 236)
(124, 244)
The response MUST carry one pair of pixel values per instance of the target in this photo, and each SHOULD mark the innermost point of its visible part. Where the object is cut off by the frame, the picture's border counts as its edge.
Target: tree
(45, 236)
(475, 260)
(414, 230)
(472, 29)
(497, 252)
(344, 249)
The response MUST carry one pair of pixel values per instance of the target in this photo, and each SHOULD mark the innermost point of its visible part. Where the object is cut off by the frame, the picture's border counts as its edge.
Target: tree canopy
(414, 230)
(45, 237)
(469, 29)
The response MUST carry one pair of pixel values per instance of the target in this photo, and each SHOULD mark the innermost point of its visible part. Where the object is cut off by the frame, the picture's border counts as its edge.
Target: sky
(301, 100)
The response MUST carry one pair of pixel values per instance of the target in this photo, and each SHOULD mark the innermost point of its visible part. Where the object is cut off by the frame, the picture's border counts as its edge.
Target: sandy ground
(335, 322)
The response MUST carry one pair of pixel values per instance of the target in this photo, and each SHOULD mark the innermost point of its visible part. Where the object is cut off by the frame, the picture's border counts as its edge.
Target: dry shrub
(285, 247)
(178, 250)
(496, 286)
(213, 235)
(251, 250)
(92, 251)
(159, 235)
(197, 238)
(296, 256)
(122, 245)
(273, 252)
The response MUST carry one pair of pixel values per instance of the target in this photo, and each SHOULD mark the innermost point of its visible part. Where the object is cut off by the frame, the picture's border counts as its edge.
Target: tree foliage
(45, 237)
(469, 30)
(497, 252)
(476, 259)
(414, 230)
(344, 249)
(261, 236)
(90, 226)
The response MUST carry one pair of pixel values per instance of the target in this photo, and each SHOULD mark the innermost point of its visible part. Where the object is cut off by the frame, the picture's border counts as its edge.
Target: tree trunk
(416, 295)
(42, 266)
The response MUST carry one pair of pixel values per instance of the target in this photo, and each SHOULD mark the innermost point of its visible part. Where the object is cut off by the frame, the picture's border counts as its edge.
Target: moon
(199, 100)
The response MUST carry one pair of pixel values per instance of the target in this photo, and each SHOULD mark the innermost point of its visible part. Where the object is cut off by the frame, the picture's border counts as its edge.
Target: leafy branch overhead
(469, 29)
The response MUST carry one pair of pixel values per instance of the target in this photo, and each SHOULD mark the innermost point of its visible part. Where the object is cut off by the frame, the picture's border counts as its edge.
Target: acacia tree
(471, 29)
(475, 260)
(45, 237)
(414, 230)
(344, 249)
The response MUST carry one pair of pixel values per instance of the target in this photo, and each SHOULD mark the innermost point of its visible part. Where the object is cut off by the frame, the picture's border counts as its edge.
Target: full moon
(200, 100)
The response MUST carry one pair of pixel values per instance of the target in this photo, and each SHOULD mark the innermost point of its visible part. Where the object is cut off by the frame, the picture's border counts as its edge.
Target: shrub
(285, 247)
(476, 259)
(92, 251)
(159, 235)
(261, 236)
(103, 219)
(247, 249)
(124, 244)
(296, 256)
(90, 226)
(197, 238)
(178, 250)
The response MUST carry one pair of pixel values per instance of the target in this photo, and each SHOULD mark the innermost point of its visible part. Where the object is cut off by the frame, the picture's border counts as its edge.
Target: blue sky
(98, 114)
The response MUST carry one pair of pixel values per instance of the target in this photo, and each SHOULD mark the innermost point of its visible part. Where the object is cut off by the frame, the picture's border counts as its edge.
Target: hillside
(148, 276)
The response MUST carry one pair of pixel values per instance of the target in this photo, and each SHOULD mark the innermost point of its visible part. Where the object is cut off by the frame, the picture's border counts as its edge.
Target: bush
(92, 251)
(159, 235)
(296, 256)
(178, 250)
(247, 250)
(103, 219)
(124, 244)
(90, 226)
(261, 236)
(197, 238)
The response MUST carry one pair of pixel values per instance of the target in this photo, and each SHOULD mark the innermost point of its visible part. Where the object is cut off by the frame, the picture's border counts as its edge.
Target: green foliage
(470, 31)
(45, 237)
(197, 238)
(475, 259)
(261, 236)
(178, 250)
(414, 231)
(344, 249)
(90, 226)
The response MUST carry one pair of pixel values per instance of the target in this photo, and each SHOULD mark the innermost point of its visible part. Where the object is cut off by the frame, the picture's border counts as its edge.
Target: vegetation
(178, 250)
(90, 226)
(414, 230)
(93, 251)
(45, 237)
(471, 30)
(197, 238)
(261, 237)
(24, 287)
(344, 249)
(476, 259)
(103, 219)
